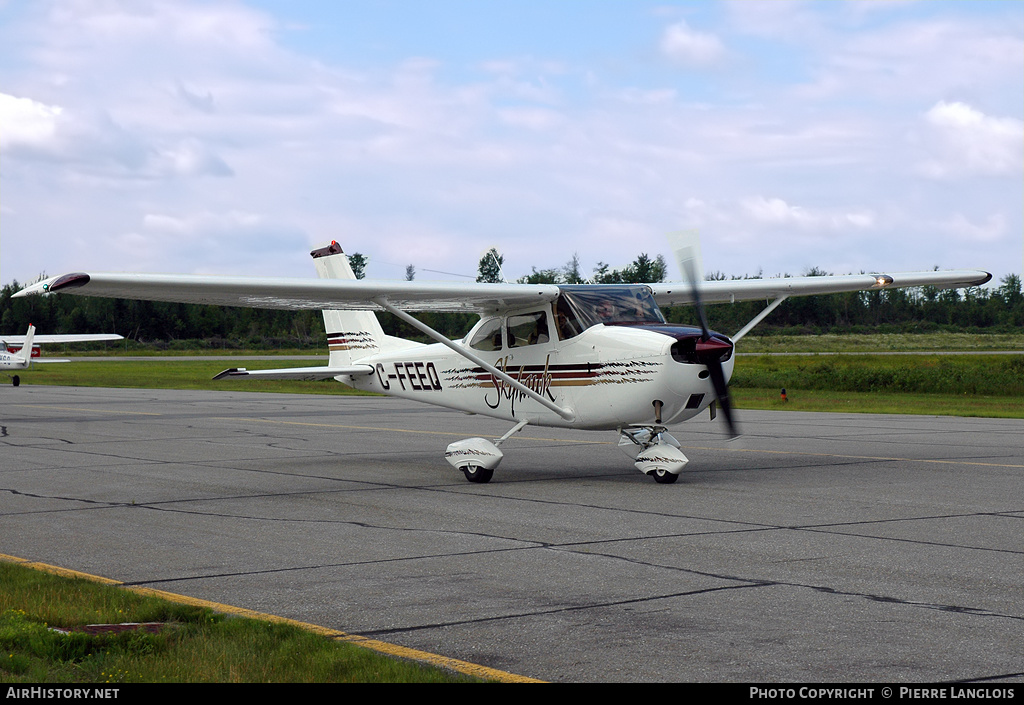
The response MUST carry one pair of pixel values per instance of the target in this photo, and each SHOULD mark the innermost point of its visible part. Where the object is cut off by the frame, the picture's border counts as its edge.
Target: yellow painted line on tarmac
(554, 440)
(465, 667)
(397, 430)
(83, 408)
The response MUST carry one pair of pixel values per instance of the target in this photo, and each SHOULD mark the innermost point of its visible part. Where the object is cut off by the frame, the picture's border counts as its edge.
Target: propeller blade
(722, 392)
(686, 245)
(690, 269)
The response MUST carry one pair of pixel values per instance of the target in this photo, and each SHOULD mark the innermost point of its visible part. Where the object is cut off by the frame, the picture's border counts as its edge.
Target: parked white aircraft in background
(22, 358)
(595, 357)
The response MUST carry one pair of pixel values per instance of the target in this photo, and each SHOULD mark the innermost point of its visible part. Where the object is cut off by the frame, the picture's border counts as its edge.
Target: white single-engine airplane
(21, 359)
(595, 357)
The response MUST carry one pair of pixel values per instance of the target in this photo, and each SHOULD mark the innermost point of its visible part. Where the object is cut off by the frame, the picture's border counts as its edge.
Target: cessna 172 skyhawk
(21, 359)
(595, 357)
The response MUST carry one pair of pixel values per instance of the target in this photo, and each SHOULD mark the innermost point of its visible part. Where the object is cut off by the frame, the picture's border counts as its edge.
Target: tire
(16, 380)
(664, 477)
(475, 473)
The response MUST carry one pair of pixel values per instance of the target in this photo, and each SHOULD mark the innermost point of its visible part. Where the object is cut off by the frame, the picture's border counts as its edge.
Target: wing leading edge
(298, 294)
(667, 294)
(316, 294)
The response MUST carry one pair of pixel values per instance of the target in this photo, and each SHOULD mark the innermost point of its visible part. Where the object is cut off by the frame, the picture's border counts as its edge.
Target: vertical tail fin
(351, 335)
(25, 354)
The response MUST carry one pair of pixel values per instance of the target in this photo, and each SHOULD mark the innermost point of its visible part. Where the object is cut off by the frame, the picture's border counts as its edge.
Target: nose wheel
(664, 477)
(476, 473)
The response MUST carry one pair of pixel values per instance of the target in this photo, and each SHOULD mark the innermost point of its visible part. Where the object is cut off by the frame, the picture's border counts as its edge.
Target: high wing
(296, 294)
(288, 293)
(727, 291)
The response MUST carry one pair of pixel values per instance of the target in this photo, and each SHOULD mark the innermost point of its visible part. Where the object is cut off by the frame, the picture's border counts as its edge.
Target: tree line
(997, 309)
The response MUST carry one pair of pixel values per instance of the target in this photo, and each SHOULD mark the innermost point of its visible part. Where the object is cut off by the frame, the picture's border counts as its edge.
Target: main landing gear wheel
(16, 380)
(475, 473)
(664, 477)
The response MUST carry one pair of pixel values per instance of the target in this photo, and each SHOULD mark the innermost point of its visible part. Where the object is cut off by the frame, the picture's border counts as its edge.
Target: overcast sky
(232, 137)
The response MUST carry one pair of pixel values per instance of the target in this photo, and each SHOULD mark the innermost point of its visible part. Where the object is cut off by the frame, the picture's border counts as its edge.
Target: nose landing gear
(654, 451)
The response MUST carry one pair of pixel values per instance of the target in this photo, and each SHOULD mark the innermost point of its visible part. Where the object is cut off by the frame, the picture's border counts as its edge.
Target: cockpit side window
(568, 323)
(487, 336)
(528, 329)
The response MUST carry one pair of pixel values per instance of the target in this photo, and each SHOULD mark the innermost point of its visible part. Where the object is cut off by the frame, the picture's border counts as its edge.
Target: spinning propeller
(710, 348)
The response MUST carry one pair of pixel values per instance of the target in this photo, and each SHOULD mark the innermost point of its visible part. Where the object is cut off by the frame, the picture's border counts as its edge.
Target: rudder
(351, 335)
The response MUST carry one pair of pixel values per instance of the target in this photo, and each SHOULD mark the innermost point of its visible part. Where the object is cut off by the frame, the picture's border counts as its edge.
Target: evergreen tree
(358, 264)
(571, 273)
(544, 276)
(490, 267)
(602, 275)
(645, 270)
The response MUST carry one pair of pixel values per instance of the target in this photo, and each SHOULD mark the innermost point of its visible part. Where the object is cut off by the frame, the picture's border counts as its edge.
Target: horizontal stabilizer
(72, 338)
(300, 373)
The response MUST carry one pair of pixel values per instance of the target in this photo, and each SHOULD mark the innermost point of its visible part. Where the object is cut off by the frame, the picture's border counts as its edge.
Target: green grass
(958, 385)
(968, 375)
(882, 342)
(877, 403)
(196, 645)
(168, 373)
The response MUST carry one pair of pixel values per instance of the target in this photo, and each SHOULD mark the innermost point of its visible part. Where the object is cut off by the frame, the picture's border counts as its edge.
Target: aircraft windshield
(580, 307)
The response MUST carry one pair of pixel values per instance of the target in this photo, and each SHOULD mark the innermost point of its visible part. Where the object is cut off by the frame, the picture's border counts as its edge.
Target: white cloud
(657, 96)
(27, 123)
(965, 142)
(94, 145)
(786, 19)
(775, 211)
(189, 158)
(963, 229)
(35, 131)
(205, 25)
(913, 60)
(532, 118)
(687, 46)
(200, 224)
(207, 241)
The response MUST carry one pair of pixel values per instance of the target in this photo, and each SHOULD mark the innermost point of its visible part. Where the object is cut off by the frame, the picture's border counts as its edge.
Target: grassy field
(874, 403)
(883, 342)
(958, 375)
(171, 373)
(193, 645)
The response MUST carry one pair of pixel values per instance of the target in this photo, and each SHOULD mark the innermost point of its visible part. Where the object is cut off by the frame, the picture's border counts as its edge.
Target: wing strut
(759, 317)
(566, 414)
